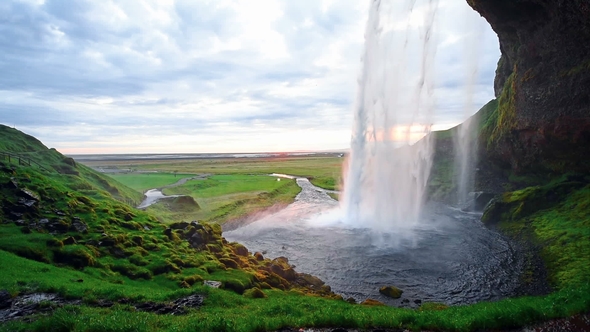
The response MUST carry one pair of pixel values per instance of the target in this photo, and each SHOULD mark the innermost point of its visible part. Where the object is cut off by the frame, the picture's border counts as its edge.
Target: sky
(185, 76)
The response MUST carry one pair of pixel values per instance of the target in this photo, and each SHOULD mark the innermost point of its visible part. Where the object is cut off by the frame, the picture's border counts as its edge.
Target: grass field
(226, 197)
(225, 310)
(236, 187)
(324, 171)
(145, 181)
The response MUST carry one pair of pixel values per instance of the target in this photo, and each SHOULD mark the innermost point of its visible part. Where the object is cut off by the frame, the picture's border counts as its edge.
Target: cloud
(206, 76)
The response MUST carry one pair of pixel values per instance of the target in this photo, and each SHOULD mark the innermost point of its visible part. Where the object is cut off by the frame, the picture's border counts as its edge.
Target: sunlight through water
(385, 178)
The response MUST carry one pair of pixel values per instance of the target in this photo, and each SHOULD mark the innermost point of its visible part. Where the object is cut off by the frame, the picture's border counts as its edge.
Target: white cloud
(205, 76)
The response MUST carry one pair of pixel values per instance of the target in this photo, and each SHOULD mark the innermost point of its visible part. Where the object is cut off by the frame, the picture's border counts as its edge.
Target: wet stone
(179, 225)
(5, 299)
(211, 283)
(79, 226)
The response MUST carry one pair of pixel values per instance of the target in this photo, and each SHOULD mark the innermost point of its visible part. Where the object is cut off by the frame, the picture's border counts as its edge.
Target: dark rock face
(542, 83)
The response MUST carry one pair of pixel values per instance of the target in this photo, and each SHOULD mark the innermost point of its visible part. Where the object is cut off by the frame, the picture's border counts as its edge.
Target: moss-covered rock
(254, 293)
(391, 291)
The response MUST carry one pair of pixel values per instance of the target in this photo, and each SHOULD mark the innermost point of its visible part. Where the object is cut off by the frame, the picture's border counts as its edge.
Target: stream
(451, 258)
(152, 196)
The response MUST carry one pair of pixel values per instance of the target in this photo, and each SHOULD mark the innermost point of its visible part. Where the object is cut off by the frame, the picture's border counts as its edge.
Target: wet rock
(179, 225)
(192, 301)
(69, 240)
(57, 226)
(229, 263)
(258, 256)
(418, 302)
(196, 225)
(78, 226)
(542, 83)
(117, 252)
(26, 202)
(391, 291)
(29, 304)
(281, 267)
(371, 302)
(15, 215)
(212, 283)
(107, 242)
(168, 232)
(29, 195)
(351, 300)
(240, 250)
(5, 299)
(137, 240)
(197, 240)
(307, 280)
(178, 307)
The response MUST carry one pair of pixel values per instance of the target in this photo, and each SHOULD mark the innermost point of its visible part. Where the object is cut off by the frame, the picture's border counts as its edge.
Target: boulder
(68, 241)
(258, 256)
(179, 225)
(391, 291)
(5, 299)
(371, 302)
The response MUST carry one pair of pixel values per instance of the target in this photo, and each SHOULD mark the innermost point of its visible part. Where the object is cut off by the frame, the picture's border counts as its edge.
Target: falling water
(466, 138)
(385, 179)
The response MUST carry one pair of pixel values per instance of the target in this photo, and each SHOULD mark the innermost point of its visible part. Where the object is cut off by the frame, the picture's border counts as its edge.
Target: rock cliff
(542, 123)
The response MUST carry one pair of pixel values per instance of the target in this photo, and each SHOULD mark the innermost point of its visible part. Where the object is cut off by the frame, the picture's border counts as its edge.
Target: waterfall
(465, 139)
(391, 151)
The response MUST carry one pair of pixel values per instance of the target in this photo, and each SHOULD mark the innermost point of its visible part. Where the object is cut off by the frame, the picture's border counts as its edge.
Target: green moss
(499, 123)
(77, 256)
(557, 218)
(255, 293)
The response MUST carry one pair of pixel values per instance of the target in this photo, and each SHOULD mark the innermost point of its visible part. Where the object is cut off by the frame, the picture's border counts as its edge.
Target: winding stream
(452, 257)
(154, 195)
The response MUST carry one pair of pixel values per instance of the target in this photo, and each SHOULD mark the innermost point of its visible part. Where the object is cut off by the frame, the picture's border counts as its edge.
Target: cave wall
(542, 123)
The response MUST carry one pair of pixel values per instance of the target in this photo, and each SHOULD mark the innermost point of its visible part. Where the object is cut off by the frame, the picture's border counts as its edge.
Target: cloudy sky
(141, 76)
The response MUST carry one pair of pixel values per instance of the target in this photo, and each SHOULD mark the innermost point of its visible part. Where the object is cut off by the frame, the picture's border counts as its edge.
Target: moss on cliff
(556, 218)
(501, 121)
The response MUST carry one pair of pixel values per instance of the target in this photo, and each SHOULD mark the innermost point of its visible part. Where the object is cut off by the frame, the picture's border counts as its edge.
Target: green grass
(145, 181)
(228, 311)
(326, 182)
(227, 184)
(307, 166)
(228, 196)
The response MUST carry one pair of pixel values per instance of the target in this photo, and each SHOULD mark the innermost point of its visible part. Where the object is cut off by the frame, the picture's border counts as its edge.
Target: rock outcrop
(542, 124)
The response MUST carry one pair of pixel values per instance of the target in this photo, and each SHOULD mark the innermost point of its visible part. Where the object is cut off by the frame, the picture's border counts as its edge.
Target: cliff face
(542, 124)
